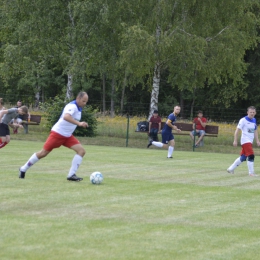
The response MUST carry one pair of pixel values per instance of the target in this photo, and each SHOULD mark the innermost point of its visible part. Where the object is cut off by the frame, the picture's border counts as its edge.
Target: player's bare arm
(70, 119)
(235, 137)
(256, 138)
(3, 112)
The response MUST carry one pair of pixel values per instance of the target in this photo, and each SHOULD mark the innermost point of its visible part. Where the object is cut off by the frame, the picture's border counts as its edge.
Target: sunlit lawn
(148, 207)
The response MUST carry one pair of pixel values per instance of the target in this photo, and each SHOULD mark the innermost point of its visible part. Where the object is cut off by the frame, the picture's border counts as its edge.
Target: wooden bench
(186, 128)
(34, 120)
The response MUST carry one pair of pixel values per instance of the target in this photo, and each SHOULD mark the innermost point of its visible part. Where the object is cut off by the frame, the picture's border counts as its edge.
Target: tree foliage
(129, 50)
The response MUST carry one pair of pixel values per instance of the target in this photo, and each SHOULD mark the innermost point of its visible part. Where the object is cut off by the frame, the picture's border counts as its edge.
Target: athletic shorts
(247, 149)
(56, 140)
(4, 129)
(199, 132)
(166, 137)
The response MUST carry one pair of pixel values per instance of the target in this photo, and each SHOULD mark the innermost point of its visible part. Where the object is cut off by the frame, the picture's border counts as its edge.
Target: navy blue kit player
(167, 135)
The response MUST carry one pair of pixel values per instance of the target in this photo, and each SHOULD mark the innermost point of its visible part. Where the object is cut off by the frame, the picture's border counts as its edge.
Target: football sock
(33, 159)
(236, 163)
(3, 144)
(250, 166)
(158, 144)
(170, 151)
(75, 164)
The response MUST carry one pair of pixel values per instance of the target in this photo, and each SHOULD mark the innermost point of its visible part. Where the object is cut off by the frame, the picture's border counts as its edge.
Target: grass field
(148, 207)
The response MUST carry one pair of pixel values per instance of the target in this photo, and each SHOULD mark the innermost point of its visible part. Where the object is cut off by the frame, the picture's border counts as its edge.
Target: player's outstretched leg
(33, 159)
(236, 163)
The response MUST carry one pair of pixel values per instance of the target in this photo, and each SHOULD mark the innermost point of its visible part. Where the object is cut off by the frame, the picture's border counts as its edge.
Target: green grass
(148, 207)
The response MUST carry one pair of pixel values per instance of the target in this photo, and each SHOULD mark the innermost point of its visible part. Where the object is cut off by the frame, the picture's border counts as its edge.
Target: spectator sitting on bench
(154, 126)
(199, 125)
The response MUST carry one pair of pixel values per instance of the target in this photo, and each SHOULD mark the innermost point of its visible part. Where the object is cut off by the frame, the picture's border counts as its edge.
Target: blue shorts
(199, 132)
(166, 137)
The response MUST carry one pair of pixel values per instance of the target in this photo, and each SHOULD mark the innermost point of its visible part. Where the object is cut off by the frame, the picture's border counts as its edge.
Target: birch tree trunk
(155, 90)
(69, 87)
(71, 38)
(156, 78)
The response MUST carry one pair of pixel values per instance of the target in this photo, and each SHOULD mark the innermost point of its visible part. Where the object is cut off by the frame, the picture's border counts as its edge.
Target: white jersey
(64, 127)
(248, 127)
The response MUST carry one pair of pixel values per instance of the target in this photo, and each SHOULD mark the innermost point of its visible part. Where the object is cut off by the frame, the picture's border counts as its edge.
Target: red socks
(2, 144)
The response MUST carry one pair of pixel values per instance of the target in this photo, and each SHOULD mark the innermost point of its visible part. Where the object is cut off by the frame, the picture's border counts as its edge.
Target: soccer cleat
(74, 177)
(230, 171)
(169, 157)
(253, 175)
(21, 174)
(150, 143)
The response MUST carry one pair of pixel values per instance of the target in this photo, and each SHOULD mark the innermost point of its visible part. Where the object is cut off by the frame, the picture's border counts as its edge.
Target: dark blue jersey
(172, 119)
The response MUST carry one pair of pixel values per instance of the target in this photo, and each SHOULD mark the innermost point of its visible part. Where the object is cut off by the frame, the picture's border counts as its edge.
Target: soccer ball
(96, 178)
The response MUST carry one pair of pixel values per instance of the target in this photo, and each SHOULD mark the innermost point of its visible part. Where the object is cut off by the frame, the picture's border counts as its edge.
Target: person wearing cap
(6, 117)
(154, 127)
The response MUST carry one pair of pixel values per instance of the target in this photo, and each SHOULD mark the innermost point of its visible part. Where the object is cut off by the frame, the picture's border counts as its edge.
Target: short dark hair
(24, 109)
(200, 112)
(251, 107)
(82, 94)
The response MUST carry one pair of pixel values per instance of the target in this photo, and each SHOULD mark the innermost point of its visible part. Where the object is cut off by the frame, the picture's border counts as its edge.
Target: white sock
(250, 166)
(75, 164)
(33, 159)
(170, 151)
(158, 144)
(236, 163)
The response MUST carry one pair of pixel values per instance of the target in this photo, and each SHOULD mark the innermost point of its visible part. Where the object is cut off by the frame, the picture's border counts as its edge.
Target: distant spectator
(1, 105)
(154, 126)
(199, 125)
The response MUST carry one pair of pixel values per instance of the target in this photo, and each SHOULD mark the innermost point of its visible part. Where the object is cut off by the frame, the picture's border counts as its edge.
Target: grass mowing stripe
(147, 208)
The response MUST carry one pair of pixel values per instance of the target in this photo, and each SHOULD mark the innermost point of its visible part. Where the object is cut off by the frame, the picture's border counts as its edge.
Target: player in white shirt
(61, 134)
(247, 125)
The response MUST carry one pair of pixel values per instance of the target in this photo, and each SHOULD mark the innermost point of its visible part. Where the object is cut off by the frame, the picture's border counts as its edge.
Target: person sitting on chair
(154, 126)
(199, 125)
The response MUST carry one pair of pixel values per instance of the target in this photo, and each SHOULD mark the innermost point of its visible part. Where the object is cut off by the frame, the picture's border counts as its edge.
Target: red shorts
(247, 149)
(55, 140)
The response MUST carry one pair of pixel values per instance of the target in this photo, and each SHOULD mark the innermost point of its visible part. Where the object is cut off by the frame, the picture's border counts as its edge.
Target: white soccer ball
(96, 178)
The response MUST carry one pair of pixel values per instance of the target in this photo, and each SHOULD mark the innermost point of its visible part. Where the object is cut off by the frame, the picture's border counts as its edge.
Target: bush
(54, 108)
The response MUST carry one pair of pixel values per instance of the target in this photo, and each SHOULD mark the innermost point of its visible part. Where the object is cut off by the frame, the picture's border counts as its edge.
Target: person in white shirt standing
(61, 134)
(247, 125)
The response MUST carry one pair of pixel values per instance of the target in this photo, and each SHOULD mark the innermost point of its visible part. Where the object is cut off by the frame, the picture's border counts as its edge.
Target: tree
(198, 42)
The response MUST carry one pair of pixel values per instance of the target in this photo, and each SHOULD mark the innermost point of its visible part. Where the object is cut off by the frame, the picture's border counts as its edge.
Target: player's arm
(174, 127)
(236, 136)
(71, 120)
(2, 113)
(256, 137)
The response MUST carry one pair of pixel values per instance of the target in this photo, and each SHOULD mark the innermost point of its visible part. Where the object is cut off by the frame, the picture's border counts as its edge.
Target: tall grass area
(113, 132)
(148, 207)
